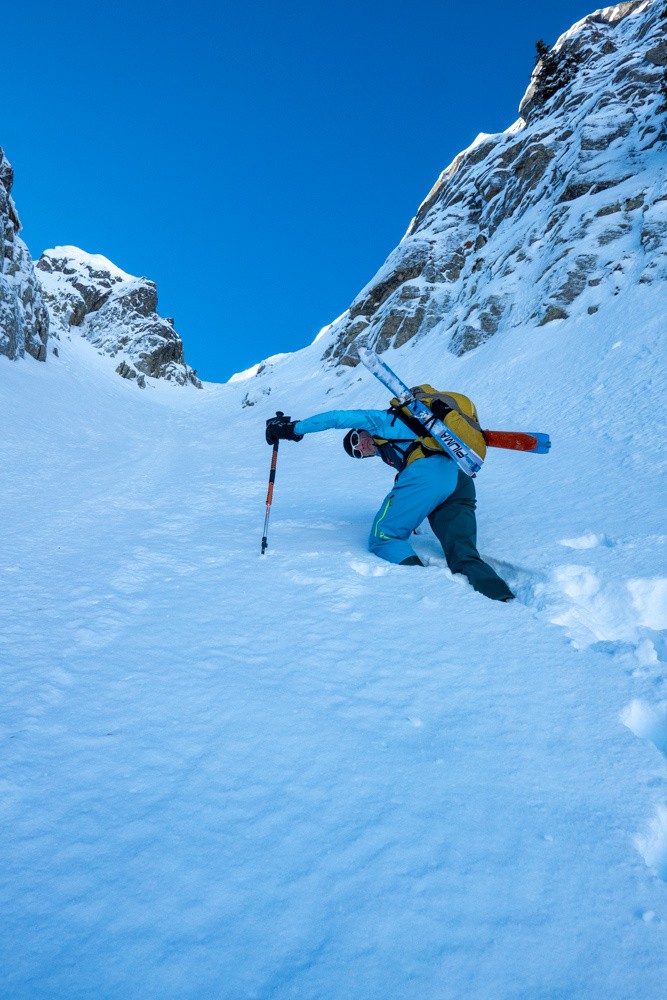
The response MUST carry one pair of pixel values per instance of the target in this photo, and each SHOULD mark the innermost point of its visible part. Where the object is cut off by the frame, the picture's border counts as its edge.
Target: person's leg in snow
(436, 489)
(417, 491)
(455, 526)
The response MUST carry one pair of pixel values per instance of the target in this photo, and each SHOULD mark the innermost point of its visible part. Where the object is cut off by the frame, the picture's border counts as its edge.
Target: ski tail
(531, 441)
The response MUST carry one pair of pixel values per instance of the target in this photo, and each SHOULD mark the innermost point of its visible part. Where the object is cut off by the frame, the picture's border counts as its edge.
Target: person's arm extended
(374, 421)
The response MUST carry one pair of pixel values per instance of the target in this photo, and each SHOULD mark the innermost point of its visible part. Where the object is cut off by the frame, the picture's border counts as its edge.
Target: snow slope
(313, 774)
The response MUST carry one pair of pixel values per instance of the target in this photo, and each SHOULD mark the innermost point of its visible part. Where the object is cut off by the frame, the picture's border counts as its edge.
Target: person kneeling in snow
(427, 485)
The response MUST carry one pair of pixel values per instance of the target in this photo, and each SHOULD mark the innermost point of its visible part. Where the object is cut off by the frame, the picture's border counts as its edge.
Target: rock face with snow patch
(115, 311)
(547, 219)
(24, 321)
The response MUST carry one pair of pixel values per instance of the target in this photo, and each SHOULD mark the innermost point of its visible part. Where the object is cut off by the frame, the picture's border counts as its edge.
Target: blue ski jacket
(378, 423)
(417, 490)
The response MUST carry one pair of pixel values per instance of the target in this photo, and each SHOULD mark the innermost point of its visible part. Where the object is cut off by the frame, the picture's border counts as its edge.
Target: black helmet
(347, 443)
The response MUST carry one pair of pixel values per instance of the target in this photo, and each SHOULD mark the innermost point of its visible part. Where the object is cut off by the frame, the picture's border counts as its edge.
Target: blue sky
(257, 161)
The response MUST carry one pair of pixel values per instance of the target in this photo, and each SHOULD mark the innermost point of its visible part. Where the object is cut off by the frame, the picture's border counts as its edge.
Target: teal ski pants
(434, 488)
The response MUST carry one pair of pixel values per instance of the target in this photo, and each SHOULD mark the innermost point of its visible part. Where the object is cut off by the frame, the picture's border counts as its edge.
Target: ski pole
(269, 495)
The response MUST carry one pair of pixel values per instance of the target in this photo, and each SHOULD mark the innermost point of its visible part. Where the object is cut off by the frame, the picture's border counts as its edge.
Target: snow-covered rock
(115, 311)
(547, 219)
(24, 321)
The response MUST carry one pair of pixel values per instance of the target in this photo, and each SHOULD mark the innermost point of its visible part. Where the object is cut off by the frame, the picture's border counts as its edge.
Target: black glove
(281, 428)
(440, 409)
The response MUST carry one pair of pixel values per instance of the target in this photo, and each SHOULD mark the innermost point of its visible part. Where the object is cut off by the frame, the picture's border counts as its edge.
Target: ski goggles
(355, 438)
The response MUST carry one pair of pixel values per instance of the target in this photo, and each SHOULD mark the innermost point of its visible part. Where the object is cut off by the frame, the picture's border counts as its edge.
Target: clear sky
(257, 160)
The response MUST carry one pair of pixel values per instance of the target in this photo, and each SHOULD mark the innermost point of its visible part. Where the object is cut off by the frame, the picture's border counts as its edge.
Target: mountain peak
(70, 292)
(116, 312)
(545, 220)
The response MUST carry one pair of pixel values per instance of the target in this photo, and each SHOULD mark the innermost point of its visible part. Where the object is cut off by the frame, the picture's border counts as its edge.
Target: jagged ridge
(69, 291)
(546, 219)
(115, 311)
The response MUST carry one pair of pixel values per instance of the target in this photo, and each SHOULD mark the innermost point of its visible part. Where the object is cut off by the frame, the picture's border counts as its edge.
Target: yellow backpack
(462, 419)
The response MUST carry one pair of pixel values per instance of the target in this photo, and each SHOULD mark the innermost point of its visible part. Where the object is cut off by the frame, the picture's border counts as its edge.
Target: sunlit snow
(314, 774)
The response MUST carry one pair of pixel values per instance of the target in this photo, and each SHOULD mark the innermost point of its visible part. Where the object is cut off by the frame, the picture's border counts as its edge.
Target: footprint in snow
(652, 845)
(524, 583)
(648, 722)
(368, 569)
(590, 540)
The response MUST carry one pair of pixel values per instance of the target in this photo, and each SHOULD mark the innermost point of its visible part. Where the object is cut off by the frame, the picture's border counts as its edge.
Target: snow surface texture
(313, 774)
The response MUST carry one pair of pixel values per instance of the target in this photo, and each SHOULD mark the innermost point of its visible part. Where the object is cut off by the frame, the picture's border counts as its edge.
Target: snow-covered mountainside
(313, 774)
(24, 321)
(87, 295)
(547, 220)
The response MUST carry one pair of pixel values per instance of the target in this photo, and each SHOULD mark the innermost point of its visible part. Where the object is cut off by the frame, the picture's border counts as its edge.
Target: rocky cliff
(545, 220)
(24, 321)
(69, 292)
(87, 295)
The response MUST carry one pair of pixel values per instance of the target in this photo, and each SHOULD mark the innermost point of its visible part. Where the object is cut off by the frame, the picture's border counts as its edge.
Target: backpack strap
(419, 427)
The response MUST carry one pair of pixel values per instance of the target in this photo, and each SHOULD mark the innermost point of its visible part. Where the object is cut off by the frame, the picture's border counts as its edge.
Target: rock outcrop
(24, 321)
(545, 220)
(89, 296)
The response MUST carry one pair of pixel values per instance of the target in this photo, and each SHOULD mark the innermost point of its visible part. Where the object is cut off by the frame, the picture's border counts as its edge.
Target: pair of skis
(466, 458)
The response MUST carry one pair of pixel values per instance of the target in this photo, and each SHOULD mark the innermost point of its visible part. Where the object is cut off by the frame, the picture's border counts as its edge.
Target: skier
(427, 485)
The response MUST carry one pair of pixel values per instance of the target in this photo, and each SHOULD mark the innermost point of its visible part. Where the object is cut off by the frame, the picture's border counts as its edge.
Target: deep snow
(312, 774)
